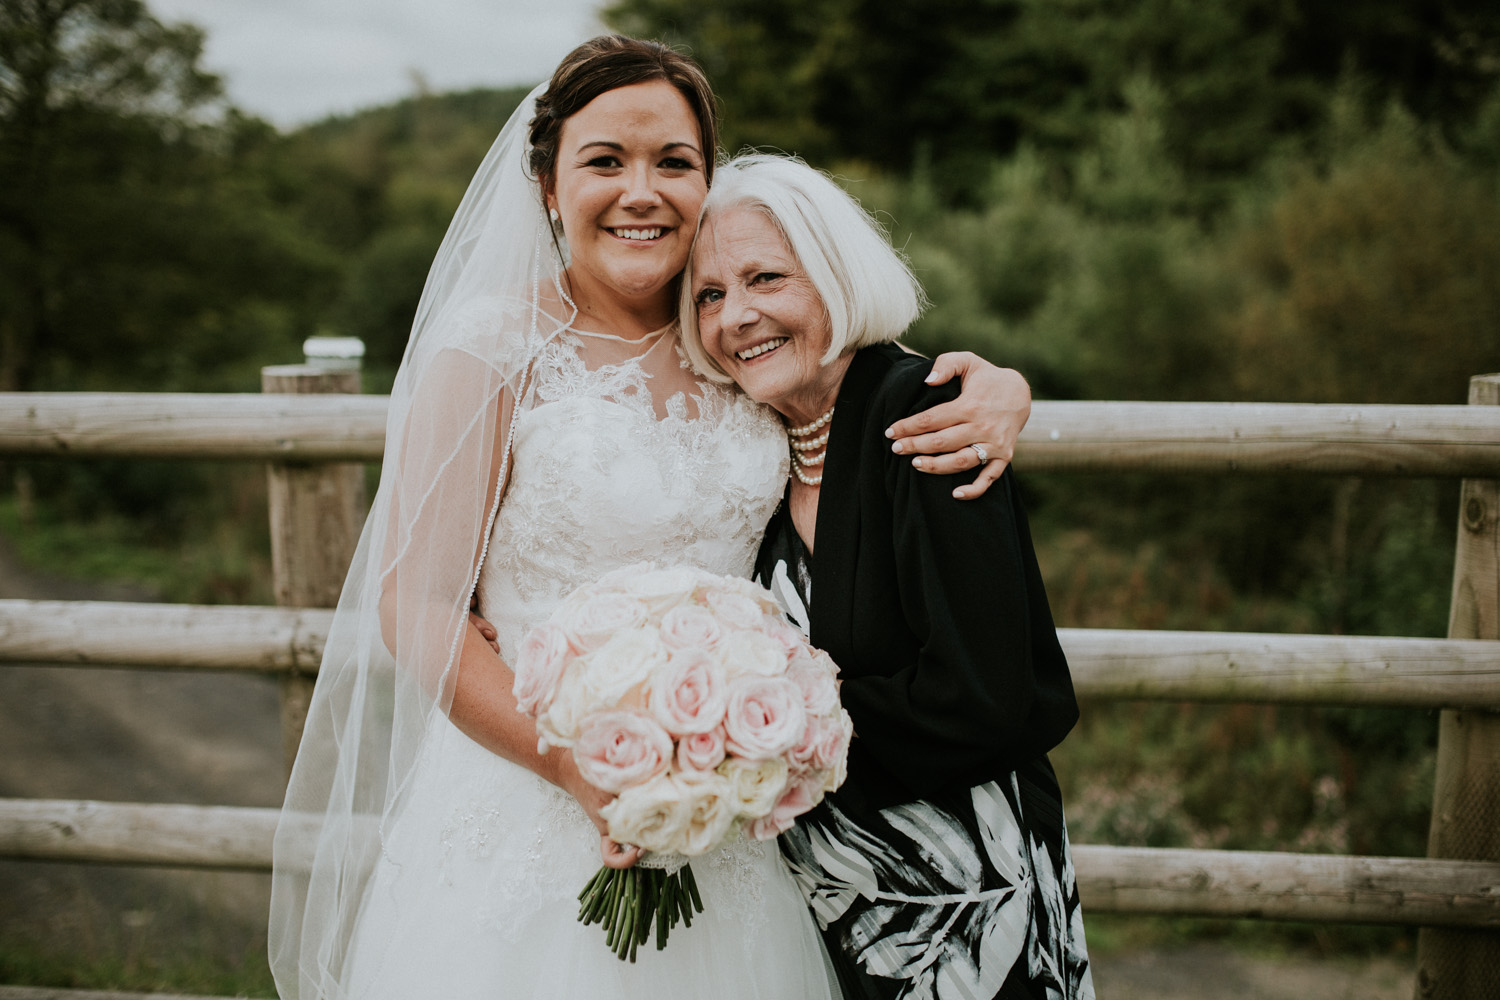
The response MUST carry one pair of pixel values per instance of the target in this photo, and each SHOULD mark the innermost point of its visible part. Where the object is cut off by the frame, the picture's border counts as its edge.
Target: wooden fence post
(1455, 964)
(317, 510)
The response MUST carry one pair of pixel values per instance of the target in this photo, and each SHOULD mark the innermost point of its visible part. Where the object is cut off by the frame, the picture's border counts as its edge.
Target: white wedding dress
(622, 457)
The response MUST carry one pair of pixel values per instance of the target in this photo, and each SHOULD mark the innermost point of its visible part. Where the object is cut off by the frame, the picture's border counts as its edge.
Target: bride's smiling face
(629, 181)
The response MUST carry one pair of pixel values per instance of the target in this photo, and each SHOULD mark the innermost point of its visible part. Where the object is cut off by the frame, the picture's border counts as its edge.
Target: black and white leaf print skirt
(969, 895)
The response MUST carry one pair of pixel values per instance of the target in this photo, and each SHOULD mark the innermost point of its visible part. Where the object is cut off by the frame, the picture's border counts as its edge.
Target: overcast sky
(294, 61)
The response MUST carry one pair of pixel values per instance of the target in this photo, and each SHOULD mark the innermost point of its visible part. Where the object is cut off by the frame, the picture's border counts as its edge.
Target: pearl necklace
(803, 446)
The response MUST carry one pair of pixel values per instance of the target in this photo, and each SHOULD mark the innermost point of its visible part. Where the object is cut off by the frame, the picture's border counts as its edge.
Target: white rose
(627, 659)
(571, 704)
(620, 577)
(592, 622)
(751, 654)
(734, 609)
(820, 692)
(663, 589)
(751, 589)
(757, 784)
(652, 815)
(711, 808)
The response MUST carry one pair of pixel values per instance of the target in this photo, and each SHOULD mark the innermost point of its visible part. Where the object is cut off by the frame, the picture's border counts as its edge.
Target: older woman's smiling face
(759, 316)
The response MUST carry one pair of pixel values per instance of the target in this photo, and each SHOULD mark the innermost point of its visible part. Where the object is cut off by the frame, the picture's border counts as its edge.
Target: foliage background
(1245, 200)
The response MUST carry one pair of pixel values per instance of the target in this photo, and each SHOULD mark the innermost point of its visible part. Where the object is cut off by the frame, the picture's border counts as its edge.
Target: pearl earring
(555, 214)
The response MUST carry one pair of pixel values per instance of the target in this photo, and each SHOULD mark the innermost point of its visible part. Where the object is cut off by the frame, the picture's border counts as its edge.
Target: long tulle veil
(387, 669)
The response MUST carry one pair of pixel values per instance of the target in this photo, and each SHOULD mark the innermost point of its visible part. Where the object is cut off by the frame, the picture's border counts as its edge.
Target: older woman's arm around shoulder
(978, 429)
(988, 689)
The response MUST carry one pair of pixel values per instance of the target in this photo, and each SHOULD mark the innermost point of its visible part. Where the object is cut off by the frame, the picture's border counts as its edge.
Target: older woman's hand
(990, 412)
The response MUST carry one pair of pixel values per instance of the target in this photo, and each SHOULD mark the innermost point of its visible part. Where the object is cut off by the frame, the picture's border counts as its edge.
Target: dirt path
(146, 736)
(132, 736)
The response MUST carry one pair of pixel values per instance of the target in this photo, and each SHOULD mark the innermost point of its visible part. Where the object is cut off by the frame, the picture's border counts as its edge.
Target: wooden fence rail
(1165, 881)
(1105, 663)
(1450, 441)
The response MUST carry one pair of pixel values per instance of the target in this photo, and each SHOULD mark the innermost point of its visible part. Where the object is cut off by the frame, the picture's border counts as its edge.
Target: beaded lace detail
(608, 473)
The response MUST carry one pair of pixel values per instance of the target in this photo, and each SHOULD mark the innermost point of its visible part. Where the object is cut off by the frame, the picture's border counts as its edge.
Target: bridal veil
(388, 667)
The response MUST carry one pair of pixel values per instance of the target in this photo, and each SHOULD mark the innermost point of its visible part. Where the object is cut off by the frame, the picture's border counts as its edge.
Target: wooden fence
(313, 434)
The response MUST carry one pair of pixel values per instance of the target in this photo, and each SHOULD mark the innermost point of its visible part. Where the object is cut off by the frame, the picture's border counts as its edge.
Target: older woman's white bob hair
(867, 289)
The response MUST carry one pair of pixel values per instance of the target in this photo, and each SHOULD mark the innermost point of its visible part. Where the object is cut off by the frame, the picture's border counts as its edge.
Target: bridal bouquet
(690, 697)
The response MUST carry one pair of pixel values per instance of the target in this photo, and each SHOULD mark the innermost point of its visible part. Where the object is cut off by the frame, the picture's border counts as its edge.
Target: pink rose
(690, 626)
(838, 770)
(799, 797)
(591, 622)
(788, 635)
(830, 743)
(765, 717)
(800, 757)
(701, 751)
(688, 694)
(540, 662)
(618, 749)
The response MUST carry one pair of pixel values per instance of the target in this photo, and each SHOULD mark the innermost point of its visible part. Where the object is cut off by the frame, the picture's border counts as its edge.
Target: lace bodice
(607, 470)
(622, 456)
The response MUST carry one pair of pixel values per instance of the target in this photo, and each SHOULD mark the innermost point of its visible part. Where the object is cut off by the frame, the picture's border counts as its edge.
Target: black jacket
(932, 607)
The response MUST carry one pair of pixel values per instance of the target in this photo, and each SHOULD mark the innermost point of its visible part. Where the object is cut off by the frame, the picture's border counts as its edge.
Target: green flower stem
(627, 903)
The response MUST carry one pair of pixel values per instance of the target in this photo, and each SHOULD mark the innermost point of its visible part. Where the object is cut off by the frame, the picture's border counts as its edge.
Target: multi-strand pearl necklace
(804, 446)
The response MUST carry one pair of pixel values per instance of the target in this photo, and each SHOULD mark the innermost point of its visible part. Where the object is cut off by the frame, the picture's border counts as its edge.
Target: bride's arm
(434, 541)
(990, 412)
(484, 708)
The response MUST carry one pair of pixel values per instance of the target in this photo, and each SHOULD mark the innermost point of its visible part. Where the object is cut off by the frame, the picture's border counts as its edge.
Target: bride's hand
(618, 855)
(990, 412)
(613, 853)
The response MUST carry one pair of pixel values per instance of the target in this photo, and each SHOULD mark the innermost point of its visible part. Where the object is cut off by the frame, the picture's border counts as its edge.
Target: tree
(125, 230)
(71, 73)
(953, 84)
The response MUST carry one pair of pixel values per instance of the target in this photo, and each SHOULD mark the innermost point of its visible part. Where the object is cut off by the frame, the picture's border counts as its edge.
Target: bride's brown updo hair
(607, 63)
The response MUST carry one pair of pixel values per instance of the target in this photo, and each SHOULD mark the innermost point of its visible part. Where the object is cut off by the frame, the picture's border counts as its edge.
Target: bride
(426, 849)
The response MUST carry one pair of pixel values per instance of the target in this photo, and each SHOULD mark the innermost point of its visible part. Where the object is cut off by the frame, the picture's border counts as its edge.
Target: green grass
(223, 559)
(129, 969)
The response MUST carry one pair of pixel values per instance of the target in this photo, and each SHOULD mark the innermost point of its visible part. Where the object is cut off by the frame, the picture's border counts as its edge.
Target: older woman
(941, 868)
